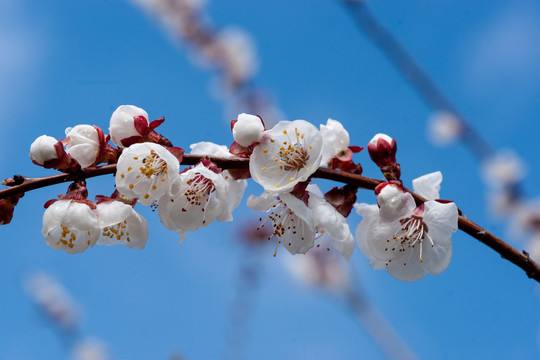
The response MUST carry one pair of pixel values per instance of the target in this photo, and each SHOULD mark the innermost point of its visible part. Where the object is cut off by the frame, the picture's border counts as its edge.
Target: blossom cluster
(406, 238)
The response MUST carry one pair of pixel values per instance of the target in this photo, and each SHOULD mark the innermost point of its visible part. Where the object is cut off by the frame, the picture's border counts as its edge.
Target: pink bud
(382, 150)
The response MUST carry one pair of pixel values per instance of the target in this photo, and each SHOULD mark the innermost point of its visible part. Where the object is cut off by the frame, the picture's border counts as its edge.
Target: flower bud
(382, 150)
(393, 201)
(83, 144)
(247, 129)
(43, 150)
(123, 127)
(48, 152)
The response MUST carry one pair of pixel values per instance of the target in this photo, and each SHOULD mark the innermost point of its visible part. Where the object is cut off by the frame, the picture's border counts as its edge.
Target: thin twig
(522, 260)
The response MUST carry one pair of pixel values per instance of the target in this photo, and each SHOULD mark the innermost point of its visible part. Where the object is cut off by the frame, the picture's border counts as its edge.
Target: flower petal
(428, 185)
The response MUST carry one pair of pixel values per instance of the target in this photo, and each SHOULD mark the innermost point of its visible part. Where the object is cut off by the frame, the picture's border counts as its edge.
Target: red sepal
(210, 165)
(299, 191)
(155, 123)
(342, 199)
(177, 152)
(49, 203)
(233, 122)
(141, 125)
(127, 142)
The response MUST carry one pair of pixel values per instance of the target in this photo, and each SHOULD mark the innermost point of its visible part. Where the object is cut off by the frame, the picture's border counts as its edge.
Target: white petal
(370, 215)
(263, 202)
(209, 148)
(333, 223)
(335, 140)
(408, 267)
(442, 219)
(299, 208)
(381, 242)
(394, 203)
(300, 238)
(428, 185)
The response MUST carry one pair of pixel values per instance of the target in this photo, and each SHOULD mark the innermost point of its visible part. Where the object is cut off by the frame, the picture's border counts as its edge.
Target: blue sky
(67, 63)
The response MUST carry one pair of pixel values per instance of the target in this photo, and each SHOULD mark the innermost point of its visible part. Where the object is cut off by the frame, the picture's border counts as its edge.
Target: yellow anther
(265, 151)
(122, 176)
(284, 132)
(131, 186)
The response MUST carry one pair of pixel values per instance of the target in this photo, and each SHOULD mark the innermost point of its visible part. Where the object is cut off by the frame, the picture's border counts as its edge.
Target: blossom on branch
(291, 220)
(88, 145)
(121, 224)
(198, 197)
(330, 222)
(129, 125)
(70, 225)
(146, 171)
(236, 186)
(416, 240)
(48, 152)
(247, 129)
(287, 154)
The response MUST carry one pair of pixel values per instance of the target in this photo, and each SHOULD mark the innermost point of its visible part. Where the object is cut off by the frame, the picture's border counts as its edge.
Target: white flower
(444, 128)
(291, 220)
(415, 243)
(53, 299)
(146, 171)
(70, 226)
(335, 140)
(287, 154)
(121, 224)
(248, 129)
(43, 149)
(122, 125)
(236, 187)
(83, 144)
(319, 268)
(329, 221)
(198, 197)
(90, 349)
(503, 169)
(236, 53)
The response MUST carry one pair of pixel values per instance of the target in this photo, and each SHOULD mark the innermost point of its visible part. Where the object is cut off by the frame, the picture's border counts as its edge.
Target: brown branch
(522, 260)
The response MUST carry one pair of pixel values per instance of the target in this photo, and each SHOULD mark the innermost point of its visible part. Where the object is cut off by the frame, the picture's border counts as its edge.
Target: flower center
(67, 237)
(152, 165)
(412, 232)
(293, 154)
(199, 187)
(117, 231)
(283, 219)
